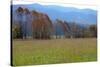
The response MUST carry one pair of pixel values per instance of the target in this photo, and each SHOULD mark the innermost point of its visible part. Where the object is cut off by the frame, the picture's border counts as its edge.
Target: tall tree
(74, 29)
(93, 30)
(19, 12)
(41, 25)
(60, 24)
(26, 21)
(67, 30)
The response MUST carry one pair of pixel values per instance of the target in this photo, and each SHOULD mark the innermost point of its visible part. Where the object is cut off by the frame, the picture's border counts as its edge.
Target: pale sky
(92, 4)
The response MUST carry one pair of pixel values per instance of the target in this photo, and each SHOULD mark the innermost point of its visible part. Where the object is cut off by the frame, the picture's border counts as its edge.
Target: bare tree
(68, 33)
(62, 25)
(19, 12)
(26, 14)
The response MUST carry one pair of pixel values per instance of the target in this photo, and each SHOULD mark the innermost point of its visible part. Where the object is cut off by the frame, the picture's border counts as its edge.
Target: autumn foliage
(37, 25)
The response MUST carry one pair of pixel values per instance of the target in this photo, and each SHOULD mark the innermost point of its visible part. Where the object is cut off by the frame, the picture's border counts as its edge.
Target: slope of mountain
(70, 14)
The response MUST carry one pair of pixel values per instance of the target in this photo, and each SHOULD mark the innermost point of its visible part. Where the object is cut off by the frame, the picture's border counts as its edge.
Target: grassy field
(32, 52)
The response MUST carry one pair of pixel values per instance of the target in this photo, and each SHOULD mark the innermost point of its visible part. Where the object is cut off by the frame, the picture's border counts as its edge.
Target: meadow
(33, 52)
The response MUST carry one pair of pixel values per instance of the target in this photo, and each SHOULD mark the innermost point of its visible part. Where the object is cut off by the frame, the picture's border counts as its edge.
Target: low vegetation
(32, 52)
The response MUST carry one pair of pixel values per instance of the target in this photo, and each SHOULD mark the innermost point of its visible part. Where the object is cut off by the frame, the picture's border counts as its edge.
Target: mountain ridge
(70, 14)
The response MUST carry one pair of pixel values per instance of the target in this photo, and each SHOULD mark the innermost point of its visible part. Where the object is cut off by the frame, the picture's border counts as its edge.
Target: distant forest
(37, 25)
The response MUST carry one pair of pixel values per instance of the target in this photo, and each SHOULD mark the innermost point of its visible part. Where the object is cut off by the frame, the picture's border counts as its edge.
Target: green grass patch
(33, 52)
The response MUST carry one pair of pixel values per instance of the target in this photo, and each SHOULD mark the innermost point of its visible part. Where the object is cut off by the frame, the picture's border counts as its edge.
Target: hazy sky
(69, 3)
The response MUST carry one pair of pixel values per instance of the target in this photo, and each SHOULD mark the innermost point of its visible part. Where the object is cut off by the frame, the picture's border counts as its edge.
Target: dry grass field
(33, 52)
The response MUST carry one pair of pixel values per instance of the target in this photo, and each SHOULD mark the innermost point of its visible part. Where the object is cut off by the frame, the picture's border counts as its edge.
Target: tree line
(31, 23)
